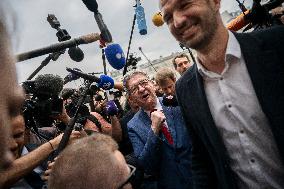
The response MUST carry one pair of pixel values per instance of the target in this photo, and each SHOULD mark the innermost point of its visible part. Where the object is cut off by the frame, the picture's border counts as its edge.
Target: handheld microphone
(111, 108)
(115, 56)
(85, 39)
(141, 21)
(92, 5)
(105, 82)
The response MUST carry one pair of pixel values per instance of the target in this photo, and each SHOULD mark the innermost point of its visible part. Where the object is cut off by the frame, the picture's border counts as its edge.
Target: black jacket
(263, 53)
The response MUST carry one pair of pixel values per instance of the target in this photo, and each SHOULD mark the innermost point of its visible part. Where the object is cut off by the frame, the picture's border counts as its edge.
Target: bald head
(92, 162)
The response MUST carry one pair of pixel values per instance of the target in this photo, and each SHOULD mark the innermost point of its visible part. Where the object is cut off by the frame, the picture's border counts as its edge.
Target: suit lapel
(146, 125)
(258, 60)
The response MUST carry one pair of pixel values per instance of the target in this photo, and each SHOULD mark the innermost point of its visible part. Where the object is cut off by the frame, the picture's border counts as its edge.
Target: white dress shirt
(241, 122)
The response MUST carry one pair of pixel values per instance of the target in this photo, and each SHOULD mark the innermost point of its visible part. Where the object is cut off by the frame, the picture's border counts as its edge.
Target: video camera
(133, 60)
(42, 102)
(116, 94)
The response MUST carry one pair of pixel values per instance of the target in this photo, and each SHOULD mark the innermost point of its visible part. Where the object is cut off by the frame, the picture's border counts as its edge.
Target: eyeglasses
(143, 83)
(130, 176)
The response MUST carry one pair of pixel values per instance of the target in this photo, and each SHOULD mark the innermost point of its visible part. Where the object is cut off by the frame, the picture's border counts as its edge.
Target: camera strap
(95, 120)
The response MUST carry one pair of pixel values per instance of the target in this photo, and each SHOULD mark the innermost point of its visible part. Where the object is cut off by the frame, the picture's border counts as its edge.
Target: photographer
(91, 121)
(22, 172)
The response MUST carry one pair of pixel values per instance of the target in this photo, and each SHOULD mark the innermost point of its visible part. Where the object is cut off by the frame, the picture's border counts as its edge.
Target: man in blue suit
(232, 99)
(158, 135)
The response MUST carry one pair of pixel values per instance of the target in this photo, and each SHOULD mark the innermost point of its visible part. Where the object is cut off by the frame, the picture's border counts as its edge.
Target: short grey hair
(129, 76)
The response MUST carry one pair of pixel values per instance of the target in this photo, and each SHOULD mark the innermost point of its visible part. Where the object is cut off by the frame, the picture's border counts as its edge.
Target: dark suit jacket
(263, 53)
(170, 163)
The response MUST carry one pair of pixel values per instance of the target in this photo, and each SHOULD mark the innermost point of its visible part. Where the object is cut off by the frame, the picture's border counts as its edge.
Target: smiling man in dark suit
(232, 99)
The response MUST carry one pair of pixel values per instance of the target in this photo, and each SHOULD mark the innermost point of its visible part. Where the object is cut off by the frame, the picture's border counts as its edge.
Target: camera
(116, 94)
(133, 60)
(42, 102)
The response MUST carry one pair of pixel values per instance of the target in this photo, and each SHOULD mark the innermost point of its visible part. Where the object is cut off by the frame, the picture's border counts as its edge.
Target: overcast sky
(33, 31)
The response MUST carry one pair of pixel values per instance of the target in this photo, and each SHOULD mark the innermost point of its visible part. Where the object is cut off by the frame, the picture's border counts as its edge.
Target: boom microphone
(85, 39)
(71, 77)
(76, 54)
(92, 5)
(239, 22)
(115, 56)
(47, 85)
(105, 34)
(105, 82)
(91, 78)
(257, 15)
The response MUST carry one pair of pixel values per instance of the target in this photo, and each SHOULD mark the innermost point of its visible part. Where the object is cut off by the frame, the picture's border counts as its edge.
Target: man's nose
(184, 66)
(168, 91)
(179, 20)
(140, 88)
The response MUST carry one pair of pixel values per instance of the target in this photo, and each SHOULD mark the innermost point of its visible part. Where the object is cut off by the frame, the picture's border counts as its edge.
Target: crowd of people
(220, 125)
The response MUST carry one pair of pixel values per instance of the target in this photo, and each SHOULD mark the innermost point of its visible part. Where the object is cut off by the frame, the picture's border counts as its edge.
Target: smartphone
(56, 106)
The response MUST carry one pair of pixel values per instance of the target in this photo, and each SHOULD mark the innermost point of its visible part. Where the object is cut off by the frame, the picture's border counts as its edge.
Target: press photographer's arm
(24, 165)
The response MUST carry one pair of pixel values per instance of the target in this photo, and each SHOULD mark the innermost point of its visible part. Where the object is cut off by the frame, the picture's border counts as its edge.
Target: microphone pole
(61, 34)
(105, 71)
(68, 130)
(51, 56)
(65, 138)
(129, 43)
(140, 49)
(85, 39)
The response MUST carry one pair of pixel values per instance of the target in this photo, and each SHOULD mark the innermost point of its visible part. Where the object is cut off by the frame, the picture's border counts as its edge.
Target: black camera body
(42, 102)
(116, 94)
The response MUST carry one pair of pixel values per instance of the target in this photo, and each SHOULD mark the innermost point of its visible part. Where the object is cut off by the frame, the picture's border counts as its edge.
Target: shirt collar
(233, 50)
(233, 47)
